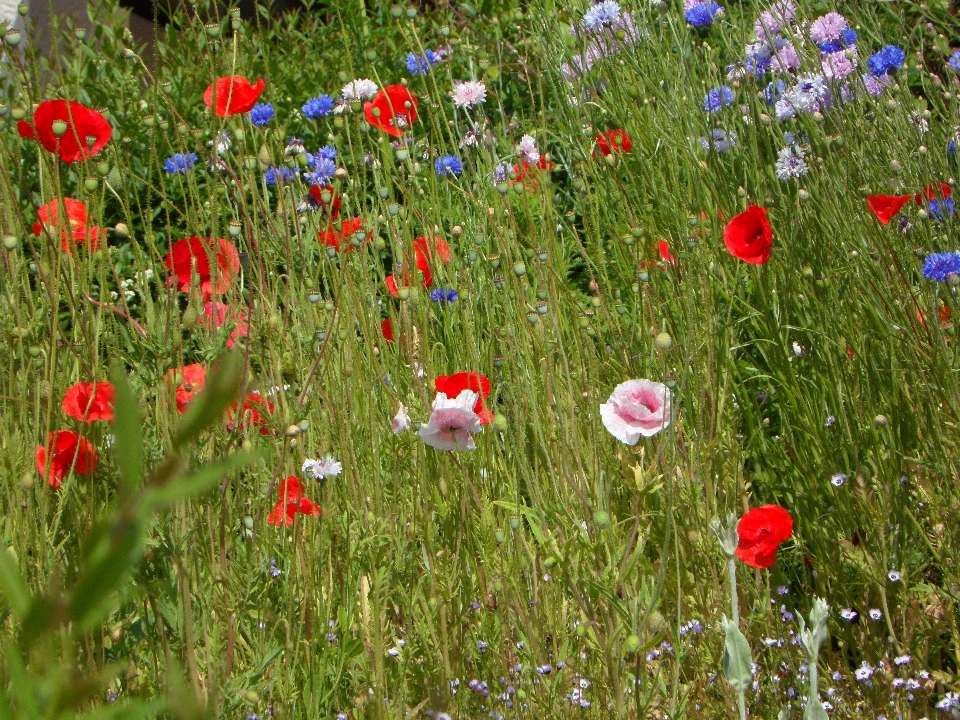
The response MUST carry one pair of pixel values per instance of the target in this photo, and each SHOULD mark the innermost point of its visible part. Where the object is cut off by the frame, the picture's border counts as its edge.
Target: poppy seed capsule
(12, 37)
(519, 269)
(23, 8)
(59, 127)
(90, 184)
(341, 174)
(514, 523)
(292, 431)
(10, 242)
(18, 113)
(663, 341)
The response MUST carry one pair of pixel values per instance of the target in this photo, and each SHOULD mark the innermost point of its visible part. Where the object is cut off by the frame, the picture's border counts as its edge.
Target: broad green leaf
(128, 446)
(12, 585)
(737, 660)
(223, 385)
(814, 710)
(196, 483)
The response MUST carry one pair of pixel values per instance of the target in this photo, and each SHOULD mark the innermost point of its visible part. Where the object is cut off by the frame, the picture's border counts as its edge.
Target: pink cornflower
(785, 59)
(469, 93)
(828, 27)
(838, 65)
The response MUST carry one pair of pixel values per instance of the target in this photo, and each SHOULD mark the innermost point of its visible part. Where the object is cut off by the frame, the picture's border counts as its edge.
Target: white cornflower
(321, 469)
(875, 614)
(894, 576)
(797, 349)
(791, 163)
(838, 479)
(848, 614)
(468, 93)
(363, 89)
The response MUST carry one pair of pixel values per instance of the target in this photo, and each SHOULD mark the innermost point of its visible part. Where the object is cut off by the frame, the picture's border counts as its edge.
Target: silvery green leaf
(814, 710)
(737, 660)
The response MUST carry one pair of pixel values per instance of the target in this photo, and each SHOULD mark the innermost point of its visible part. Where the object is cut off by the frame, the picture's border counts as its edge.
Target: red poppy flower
(193, 252)
(453, 385)
(235, 95)
(89, 402)
(331, 206)
(76, 230)
(194, 376)
(613, 141)
(69, 451)
(748, 236)
(760, 531)
(218, 313)
(87, 130)
(526, 173)
(930, 193)
(426, 253)
(396, 109)
(386, 327)
(664, 247)
(945, 314)
(333, 237)
(256, 411)
(885, 207)
(291, 502)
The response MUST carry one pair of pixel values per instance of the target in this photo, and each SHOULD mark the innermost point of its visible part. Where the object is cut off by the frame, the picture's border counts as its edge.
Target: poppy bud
(10, 242)
(456, 231)
(190, 317)
(115, 178)
(402, 154)
(632, 644)
(445, 31)
(601, 519)
(663, 341)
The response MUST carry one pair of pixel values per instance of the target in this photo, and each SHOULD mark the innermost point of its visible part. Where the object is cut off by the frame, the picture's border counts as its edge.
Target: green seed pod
(500, 422)
(632, 644)
(10, 242)
(59, 127)
(601, 519)
(396, 12)
(499, 537)
(190, 317)
(90, 184)
(514, 523)
(12, 37)
(18, 113)
(519, 269)
(663, 341)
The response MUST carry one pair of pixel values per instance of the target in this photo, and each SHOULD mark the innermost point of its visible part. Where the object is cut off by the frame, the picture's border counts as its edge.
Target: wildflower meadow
(491, 359)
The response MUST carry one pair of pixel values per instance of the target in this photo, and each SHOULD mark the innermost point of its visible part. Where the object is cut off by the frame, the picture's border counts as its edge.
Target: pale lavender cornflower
(838, 479)
(601, 14)
(468, 93)
(848, 614)
(864, 672)
(902, 660)
(838, 65)
(828, 27)
(875, 614)
(785, 59)
(719, 140)
(894, 576)
(876, 85)
(782, 590)
(774, 20)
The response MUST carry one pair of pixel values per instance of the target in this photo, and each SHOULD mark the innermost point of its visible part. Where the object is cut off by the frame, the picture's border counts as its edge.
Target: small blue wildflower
(274, 570)
(328, 152)
(847, 38)
(421, 64)
(500, 173)
(884, 61)
(952, 147)
(281, 174)
(702, 14)
(179, 163)
(954, 61)
(937, 208)
(261, 114)
(448, 166)
(603, 13)
(939, 266)
(318, 107)
(717, 99)
(441, 296)
(774, 91)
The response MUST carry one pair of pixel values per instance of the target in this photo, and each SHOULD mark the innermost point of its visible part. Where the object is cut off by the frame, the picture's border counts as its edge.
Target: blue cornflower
(847, 38)
(883, 61)
(952, 146)
(774, 91)
(179, 163)
(261, 114)
(281, 174)
(603, 13)
(421, 64)
(328, 152)
(702, 14)
(448, 166)
(439, 295)
(954, 61)
(717, 99)
(937, 208)
(317, 107)
(939, 266)
(321, 169)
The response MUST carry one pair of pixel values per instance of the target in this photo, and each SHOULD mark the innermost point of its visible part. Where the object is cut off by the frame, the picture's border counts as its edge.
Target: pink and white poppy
(452, 423)
(636, 408)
